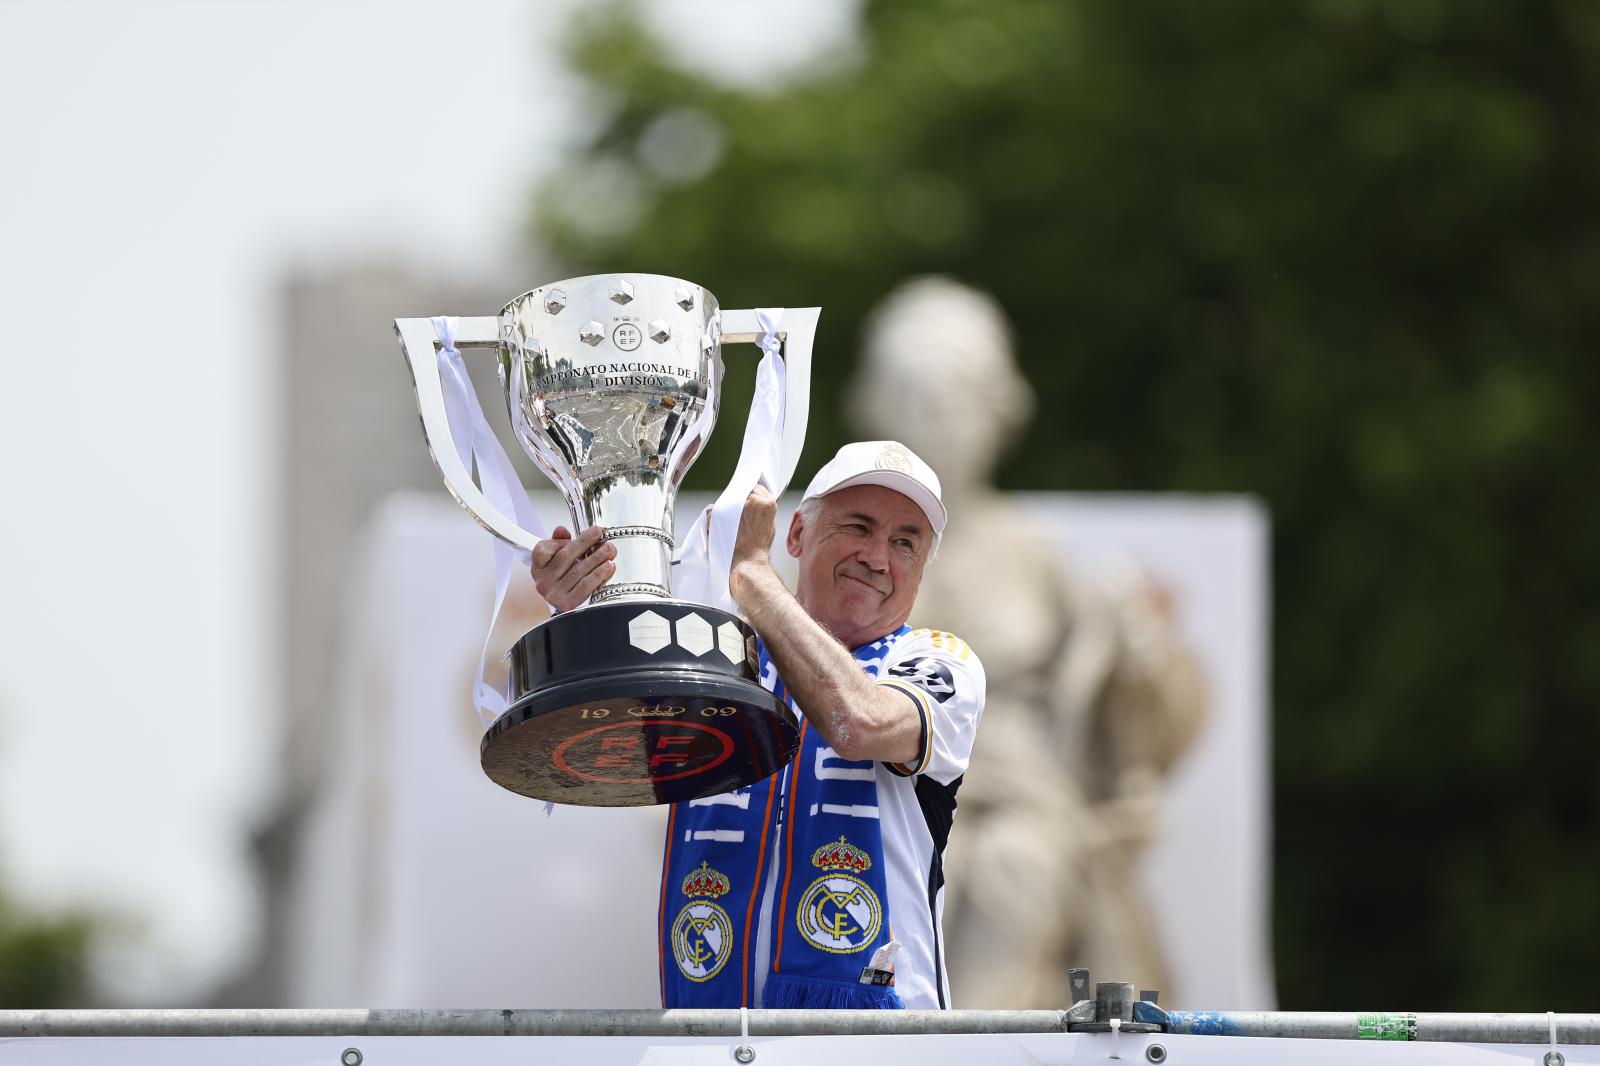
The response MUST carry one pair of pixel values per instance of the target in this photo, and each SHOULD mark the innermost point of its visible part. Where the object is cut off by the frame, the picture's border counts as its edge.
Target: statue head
(937, 372)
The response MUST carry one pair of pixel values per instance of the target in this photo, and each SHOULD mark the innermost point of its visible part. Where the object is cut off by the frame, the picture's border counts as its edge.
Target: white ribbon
(477, 445)
(700, 573)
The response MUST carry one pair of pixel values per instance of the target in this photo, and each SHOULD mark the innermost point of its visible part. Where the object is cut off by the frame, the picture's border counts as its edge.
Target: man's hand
(567, 569)
(752, 547)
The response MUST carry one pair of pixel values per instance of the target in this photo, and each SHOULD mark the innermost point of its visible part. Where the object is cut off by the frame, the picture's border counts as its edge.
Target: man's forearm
(857, 719)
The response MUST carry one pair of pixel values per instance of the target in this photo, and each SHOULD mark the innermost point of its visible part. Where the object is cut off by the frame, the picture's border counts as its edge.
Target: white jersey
(940, 674)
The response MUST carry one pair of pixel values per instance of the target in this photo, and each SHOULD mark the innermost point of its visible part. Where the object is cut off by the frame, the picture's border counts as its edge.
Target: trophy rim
(509, 304)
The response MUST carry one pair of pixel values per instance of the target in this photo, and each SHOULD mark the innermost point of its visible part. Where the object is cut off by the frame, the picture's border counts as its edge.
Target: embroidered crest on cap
(896, 457)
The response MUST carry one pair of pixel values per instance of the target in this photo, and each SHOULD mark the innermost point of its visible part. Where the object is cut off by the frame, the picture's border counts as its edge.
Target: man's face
(861, 560)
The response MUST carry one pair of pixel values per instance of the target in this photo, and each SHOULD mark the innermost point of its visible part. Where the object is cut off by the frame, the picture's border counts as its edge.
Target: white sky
(161, 164)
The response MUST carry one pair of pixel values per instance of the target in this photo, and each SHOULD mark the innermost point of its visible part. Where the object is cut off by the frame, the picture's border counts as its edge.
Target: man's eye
(856, 527)
(906, 544)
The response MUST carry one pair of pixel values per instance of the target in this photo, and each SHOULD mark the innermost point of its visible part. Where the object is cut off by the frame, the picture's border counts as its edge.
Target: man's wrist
(751, 580)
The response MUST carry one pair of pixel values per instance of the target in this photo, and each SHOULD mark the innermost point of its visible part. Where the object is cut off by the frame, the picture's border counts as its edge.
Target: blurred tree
(1339, 253)
(43, 961)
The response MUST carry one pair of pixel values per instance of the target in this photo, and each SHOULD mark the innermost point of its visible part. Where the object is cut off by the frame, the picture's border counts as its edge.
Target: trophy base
(628, 705)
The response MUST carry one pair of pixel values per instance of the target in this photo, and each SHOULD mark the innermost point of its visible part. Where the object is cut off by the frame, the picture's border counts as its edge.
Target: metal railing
(1471, 1028)
(1455, 1028)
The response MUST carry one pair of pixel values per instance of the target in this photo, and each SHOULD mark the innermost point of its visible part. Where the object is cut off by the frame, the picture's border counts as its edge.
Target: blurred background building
(1338, 256)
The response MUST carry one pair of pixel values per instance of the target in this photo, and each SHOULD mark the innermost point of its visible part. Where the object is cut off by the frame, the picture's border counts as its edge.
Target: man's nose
(874, 555)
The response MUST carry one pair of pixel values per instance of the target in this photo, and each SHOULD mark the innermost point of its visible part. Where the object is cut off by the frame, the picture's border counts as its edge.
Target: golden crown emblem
(841, 855)
(706, 882)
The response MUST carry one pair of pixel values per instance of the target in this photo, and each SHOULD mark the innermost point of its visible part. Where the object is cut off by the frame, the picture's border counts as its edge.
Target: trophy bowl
(612, 385)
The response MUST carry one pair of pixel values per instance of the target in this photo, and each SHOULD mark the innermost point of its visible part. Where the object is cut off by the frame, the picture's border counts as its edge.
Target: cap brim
(906, 486)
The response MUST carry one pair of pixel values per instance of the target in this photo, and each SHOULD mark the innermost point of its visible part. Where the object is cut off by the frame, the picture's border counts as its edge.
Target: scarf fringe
(786, 992)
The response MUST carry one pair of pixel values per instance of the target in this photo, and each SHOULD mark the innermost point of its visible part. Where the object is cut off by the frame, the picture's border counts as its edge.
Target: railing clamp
(1112, 1000)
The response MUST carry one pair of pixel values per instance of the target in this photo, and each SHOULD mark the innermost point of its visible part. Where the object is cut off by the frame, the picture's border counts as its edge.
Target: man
(822, 886)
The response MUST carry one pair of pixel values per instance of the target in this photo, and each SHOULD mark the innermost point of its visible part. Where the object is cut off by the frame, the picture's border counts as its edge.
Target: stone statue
(1092, 695)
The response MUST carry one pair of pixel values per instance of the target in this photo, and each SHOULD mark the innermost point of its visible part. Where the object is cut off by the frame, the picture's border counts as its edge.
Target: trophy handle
(797, 330)
(420, 343)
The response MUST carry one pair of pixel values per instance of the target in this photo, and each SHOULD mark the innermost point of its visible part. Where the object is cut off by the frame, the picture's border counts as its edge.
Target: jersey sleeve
(941, 674)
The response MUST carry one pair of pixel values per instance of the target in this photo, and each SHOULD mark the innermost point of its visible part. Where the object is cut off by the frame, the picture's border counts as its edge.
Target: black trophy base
(633, 704)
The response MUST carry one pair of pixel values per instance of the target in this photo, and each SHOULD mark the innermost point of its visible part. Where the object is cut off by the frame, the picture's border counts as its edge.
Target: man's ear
(797, 525)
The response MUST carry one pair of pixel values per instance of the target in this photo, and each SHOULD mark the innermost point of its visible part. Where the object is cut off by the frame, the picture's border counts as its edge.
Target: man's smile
(865, 583)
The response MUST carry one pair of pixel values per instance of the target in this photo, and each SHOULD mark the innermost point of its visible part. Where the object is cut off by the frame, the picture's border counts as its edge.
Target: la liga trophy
(612, 383)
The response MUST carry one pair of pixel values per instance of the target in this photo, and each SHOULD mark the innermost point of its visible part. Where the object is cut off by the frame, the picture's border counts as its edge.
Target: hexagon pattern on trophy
(649, 632)
(730, 642)
(694, 634)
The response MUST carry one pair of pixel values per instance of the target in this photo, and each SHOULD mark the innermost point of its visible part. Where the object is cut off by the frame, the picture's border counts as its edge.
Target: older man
(822, 886)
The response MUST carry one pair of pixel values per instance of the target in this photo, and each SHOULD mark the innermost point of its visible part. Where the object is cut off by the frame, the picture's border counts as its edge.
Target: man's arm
(858, 719)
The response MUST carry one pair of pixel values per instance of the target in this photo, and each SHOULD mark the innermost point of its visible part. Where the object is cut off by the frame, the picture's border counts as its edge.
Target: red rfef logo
(643, 751)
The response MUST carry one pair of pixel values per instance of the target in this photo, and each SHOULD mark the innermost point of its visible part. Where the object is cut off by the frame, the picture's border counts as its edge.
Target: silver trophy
(612, 384)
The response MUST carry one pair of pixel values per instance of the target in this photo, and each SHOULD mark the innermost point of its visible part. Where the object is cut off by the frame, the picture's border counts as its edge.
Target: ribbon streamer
(700, 572)
(479, 448)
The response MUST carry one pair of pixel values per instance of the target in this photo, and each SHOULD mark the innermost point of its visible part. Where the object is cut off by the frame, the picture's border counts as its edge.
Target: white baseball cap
(883, 462)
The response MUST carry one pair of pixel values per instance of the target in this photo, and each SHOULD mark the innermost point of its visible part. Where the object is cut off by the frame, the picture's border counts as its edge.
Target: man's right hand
(752, 547)
(567, 569)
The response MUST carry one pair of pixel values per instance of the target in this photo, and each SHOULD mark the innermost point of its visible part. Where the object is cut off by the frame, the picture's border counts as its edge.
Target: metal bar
(1458, 1028)
(1464, 1028)
(740, 326)
(655, 1023)
(481, 332)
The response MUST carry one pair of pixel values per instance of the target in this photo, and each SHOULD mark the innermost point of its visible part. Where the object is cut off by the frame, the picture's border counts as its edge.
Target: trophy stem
(635, 512)
(644, 565)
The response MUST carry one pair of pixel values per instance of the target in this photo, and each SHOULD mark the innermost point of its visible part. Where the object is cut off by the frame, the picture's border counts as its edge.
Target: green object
(1340, 254)
(1387, 1026)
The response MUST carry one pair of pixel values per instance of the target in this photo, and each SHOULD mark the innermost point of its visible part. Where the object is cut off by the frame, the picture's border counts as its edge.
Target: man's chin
(856, 614)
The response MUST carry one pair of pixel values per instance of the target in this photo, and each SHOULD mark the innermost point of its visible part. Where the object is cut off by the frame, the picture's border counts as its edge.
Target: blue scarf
(831, 904)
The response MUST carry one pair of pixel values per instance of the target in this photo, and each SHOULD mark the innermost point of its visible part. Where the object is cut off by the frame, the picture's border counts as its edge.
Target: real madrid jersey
(914, 805)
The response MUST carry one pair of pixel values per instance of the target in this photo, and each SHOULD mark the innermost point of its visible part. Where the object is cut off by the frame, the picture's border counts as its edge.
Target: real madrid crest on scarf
(840, 912)
(702, 935)
(714, 870)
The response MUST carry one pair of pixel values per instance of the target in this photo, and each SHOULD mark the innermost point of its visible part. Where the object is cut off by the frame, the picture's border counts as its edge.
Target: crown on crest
(706, 882)
(841, 855)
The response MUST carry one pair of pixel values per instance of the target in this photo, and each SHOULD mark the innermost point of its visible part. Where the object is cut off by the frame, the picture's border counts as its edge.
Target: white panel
(730, 642)
(649, 632)
(421, 882)
(694, 634)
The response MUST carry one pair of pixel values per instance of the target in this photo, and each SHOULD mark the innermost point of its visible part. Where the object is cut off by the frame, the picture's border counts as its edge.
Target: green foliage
(43, 961)
(1339, 253)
